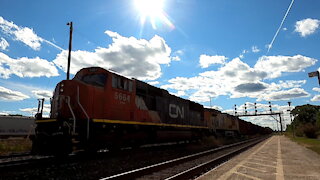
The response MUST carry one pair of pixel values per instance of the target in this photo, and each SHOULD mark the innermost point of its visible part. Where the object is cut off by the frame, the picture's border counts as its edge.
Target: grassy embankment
(313, 144)
(14, 145)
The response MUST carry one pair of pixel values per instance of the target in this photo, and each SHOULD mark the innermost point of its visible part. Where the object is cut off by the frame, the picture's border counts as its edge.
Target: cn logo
(175, 111)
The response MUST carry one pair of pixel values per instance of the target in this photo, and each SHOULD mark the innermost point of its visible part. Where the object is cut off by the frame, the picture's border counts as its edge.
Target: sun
(152, 10)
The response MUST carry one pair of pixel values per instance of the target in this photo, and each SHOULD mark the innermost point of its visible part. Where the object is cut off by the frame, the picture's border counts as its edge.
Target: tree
(307, 120)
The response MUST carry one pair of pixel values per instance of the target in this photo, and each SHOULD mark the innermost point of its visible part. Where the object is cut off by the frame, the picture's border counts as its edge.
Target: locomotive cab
(93, 93)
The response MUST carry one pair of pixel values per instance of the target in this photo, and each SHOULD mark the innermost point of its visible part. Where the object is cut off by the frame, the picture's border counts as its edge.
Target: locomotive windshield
(95, 79)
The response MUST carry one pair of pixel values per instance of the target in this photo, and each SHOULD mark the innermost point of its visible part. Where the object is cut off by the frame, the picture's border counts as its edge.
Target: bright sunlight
(152, 10)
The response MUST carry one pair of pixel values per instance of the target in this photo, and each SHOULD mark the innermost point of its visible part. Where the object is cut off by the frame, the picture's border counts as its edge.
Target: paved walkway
(276, 158)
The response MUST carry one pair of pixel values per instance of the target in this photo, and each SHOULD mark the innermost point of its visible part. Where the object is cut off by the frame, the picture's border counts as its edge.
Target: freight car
(16, 126)
(99, 108)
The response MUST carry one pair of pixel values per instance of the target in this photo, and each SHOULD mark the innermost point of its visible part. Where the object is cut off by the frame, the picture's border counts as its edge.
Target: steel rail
(160, 166)
(23, 161)
(14, 155)
(209, 165)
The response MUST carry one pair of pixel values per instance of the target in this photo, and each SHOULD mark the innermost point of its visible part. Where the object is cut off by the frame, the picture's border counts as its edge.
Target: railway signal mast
(271, 113)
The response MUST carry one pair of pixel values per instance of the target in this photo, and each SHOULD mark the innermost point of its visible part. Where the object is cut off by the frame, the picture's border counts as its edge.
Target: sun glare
(152, 10)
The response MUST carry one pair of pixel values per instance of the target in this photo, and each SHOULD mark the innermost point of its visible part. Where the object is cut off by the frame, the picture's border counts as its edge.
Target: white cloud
(206, 61)
(179, 52)
(244, 51)
(307, 26)
(276, 65)
(316, 98)
(34, 110)
(284, 29)
(316, 89)
(203, 95)
(237, 79)
(176, 58)
(23, 34)
(176, 55)
(131, 57)
(255, 49)
(219, 108)
(31, 90)
(153, 82)
(4, 113)
(25, 67)
(10, 95)
(241, 56)
(4, 44)
(179, 93)
(284, 90)
(286, 84)
(235, 71)
(42, 94)
(284, 95)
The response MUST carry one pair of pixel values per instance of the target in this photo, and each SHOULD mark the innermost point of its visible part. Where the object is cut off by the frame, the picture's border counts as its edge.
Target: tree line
(306, 121)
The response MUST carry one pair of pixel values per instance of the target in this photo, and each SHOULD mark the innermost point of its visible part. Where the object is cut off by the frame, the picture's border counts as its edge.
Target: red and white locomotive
(102, 109)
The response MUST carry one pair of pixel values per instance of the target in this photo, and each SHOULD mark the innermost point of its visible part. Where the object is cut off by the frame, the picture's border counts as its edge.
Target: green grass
(14, 145)
(313, 144)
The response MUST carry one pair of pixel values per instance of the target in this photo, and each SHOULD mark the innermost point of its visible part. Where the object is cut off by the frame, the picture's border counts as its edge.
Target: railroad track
(14, 155)
(188, 167)
(27, 159)
(21, 160)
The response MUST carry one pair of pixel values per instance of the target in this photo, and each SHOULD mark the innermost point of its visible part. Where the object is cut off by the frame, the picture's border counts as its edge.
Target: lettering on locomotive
(176, 111)
(122, 97)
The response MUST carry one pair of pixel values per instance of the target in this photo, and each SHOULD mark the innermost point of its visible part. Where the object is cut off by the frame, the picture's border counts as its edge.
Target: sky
(219, 53)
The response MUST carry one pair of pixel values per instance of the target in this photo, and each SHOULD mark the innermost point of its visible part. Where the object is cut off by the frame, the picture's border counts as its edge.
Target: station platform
(276, 158)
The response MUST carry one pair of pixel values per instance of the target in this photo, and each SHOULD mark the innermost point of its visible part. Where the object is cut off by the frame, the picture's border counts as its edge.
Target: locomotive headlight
(62, 84)
(61, 90)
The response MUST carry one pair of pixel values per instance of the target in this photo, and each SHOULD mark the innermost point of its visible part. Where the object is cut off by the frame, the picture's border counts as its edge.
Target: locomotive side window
(121, 83)
(130, 86)
(95, 79)
(114, 81)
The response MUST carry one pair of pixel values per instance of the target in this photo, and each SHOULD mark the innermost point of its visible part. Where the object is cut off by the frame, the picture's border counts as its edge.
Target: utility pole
(70, 46)
(281, 129)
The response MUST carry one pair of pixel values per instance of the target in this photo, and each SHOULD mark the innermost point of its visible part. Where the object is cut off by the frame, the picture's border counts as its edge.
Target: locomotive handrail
(88, 119)
(73, 116)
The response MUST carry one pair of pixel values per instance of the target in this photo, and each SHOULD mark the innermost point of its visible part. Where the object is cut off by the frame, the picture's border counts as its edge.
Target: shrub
(299, 131)
(310, 130)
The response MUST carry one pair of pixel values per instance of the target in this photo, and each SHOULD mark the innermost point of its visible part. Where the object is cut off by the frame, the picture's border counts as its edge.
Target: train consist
(16, 126)
(102, 109)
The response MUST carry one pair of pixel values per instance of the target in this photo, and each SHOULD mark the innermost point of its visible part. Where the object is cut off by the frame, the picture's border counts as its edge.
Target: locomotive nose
(62, 98)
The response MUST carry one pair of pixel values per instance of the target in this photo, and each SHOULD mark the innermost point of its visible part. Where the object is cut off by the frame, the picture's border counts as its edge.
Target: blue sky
(221, 50)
